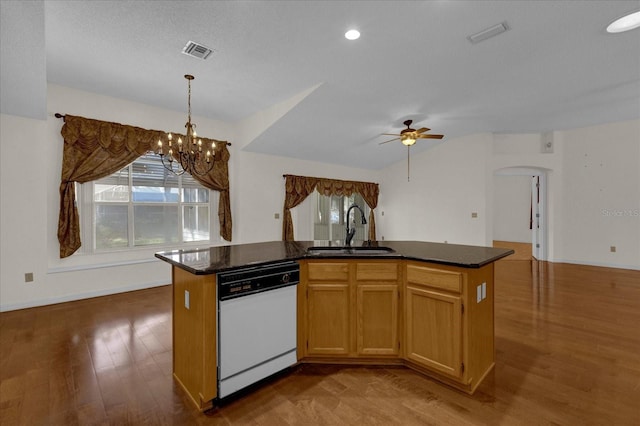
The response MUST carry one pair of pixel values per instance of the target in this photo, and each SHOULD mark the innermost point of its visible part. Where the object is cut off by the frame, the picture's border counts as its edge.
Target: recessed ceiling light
(626, 23)
(352, 35)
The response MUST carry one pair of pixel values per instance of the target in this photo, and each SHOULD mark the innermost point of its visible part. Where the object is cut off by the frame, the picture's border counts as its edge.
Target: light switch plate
(478, 294)
(186, 299)
(484, 291)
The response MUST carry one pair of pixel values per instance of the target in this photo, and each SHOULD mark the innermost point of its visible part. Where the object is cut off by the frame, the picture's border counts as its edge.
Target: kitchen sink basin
(349, 251)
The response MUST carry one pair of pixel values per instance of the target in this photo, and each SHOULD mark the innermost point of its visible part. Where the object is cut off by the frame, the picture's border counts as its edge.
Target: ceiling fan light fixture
(408, 137)
(625, 23)
(408, 140)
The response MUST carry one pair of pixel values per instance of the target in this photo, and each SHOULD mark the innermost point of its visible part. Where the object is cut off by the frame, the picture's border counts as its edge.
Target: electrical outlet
(28, 277)
(484, 290)
(276, 216)
(474, 215)
(186, 299)
(478, 294)
(613, 249)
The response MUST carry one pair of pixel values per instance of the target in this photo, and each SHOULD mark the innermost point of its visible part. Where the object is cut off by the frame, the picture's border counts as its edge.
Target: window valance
(297, 188)
(94, 149)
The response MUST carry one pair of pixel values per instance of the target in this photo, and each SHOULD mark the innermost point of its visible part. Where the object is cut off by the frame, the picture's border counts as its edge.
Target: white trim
(598, 264)
(80, 296)
(521, 171)
(99, 265)
(87, 207)
(541, 172)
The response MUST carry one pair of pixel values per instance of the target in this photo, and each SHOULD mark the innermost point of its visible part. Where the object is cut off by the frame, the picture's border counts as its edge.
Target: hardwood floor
(567, 345)
(522, 250)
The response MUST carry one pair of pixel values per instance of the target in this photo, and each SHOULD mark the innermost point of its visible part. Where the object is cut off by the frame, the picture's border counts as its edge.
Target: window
(145, 205)
(330, 221)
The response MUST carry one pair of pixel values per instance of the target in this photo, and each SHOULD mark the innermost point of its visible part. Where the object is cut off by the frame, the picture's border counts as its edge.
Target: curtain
(94, 149)
(297, 188)
(369, 192)
(218, 180)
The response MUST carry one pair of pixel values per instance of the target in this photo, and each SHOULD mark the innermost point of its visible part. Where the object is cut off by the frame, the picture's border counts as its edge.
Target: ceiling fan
(409, 137)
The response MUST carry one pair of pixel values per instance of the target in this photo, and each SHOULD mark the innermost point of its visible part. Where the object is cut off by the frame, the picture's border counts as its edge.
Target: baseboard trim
(75, 268)
(599, 264)
(80, 296)
(141, 286)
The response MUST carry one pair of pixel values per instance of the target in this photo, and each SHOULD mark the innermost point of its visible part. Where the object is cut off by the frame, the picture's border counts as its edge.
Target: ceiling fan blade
(391, 134)
(422, 130)
(390, 140)
(430, 136)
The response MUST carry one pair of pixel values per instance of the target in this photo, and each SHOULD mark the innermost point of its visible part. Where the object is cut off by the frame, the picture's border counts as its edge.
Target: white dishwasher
(256, 324)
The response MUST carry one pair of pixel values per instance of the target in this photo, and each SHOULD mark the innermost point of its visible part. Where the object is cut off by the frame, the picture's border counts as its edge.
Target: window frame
(361, 230)
(87, 207)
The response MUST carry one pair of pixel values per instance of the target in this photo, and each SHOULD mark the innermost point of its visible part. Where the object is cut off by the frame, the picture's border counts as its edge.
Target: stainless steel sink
(349, 251)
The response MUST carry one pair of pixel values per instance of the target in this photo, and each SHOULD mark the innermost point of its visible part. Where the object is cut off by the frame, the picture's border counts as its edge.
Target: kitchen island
(428, 306)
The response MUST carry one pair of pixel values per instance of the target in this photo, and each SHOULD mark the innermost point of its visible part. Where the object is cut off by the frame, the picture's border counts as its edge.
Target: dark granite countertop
(221, 258)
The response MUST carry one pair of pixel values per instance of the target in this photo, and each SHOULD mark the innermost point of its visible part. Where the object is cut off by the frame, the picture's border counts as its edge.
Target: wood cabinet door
(433, 322)
(377, 319)
(328, 319)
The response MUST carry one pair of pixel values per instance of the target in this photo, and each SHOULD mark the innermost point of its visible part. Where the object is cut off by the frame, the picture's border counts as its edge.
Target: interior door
(535, 217)
(539, 214)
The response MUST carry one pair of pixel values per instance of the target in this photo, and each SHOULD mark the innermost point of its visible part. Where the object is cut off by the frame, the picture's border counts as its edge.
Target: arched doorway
(536, 196)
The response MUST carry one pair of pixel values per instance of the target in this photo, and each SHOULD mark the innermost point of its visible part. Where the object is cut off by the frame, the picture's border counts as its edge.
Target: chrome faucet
(352, 231)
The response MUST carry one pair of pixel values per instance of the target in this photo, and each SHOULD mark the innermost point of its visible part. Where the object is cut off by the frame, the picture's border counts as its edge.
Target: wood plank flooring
(567, 342)
(522, 250)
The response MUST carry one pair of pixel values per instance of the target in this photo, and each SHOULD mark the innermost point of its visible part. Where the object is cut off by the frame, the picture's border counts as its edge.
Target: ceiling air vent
(196, 50)
(488, 33)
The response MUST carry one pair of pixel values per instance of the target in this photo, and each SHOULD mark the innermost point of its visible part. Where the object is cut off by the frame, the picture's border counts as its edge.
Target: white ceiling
(556, 68)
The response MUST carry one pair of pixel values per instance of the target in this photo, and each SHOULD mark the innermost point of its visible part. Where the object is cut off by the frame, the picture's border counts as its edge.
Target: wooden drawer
(377, 271)
(436, 278)
(329, 271)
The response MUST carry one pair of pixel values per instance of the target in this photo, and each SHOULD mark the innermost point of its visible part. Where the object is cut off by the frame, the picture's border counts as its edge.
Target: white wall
(593, 196)
(602, 195)
(448, 183)
(593, 192)
(512, 208)
(257, 189)
(30, 203)
(23, 206)
(253, 176)
(524, 151)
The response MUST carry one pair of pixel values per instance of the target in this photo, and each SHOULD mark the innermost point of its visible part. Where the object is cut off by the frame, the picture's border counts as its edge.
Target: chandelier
(189, 155)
